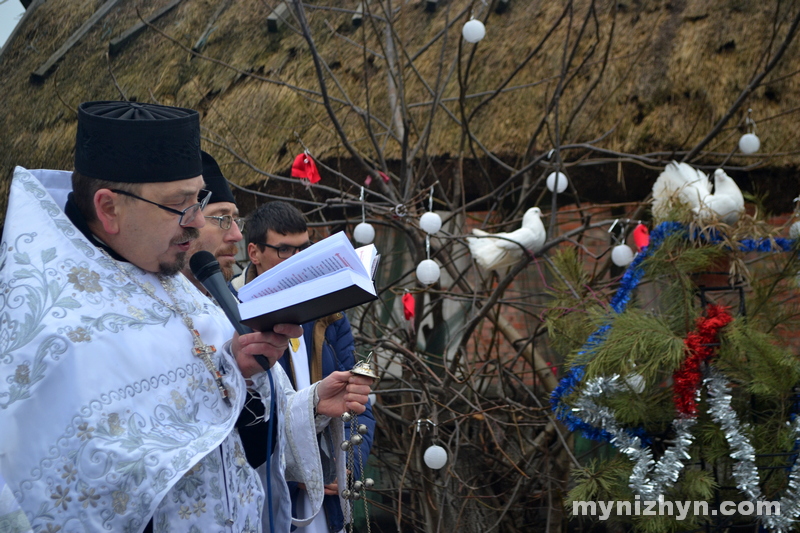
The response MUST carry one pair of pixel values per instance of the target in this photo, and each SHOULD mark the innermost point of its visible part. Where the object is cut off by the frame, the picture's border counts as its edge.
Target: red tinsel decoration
(686, 380)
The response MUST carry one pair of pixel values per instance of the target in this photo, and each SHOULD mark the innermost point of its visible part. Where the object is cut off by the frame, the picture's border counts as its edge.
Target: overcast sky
(10, 13)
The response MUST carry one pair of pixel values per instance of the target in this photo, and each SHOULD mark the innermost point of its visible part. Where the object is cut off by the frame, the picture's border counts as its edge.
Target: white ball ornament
(749, 143)
(364, 233)
(435, 457)
(621, 255)
(557, 181)
(427, 271)
(430, 222)
(373, 398)
(794, 231)
(473, 31)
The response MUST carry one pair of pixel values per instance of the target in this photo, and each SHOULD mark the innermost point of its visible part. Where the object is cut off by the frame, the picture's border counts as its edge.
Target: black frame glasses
(285, 251)
(187, 216)
(226, 221)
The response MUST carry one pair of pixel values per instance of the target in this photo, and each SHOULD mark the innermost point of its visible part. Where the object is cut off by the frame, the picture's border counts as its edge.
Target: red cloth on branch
(305, 167)
(408, 306)
(686, 380)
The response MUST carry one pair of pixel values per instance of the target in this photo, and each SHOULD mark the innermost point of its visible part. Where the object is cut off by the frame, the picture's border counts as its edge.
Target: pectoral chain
(200, 349)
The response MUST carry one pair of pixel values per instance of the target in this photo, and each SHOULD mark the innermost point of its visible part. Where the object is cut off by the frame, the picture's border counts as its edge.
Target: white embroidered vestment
(107, 418)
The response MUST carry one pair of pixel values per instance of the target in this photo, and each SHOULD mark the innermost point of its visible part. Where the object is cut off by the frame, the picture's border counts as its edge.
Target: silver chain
(356, 489)
(200, 349)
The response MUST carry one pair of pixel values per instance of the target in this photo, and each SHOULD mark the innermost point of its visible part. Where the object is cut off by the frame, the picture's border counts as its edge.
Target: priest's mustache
(189, 234)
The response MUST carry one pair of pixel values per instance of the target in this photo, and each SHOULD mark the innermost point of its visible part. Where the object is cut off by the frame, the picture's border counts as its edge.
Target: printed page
(321, 259)
(367, 256)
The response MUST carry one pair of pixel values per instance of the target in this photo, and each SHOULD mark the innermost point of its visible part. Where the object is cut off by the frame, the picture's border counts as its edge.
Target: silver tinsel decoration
(650, 479)
(665, 473)
(742, 452)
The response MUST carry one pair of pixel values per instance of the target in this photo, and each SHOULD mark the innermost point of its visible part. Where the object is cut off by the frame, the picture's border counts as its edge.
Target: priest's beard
(170, 269)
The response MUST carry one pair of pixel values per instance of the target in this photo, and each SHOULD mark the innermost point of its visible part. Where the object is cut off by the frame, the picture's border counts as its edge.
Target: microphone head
(203, 265)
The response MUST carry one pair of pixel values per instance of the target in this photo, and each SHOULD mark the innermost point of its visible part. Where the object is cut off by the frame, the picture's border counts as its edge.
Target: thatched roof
(673, 70)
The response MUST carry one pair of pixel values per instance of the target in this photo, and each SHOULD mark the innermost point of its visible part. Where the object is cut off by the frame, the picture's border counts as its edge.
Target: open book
(325, 278)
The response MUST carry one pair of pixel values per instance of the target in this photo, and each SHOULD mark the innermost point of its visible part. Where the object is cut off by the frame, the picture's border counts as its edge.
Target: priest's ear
(106, 206)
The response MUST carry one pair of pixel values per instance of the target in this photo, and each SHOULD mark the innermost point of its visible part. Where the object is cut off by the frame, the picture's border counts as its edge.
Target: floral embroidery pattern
(88, 497)
(199, 507)
(44, 286)
(84, 431)
(119, 501)
(178, 399)
(115, 425)
(84, 280)
(69, 473)
(79, 334)
(23, 374)
(61, 497)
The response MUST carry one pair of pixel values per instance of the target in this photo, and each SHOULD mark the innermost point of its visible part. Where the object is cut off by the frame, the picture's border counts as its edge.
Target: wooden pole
(42, 72)
(115, 45)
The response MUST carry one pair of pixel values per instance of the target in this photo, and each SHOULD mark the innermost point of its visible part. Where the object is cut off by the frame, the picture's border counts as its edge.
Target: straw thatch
(673, 70)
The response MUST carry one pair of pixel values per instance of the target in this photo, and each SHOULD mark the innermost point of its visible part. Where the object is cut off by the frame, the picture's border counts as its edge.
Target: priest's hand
(271, 345)
(341, 392)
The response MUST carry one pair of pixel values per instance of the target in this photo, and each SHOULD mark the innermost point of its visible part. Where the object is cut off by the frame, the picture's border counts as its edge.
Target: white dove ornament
(727, 202)
(492, 253)
(679, 182)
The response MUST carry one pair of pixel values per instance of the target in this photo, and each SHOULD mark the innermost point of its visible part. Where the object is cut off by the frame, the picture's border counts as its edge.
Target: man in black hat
(120, 383)
(224, 226)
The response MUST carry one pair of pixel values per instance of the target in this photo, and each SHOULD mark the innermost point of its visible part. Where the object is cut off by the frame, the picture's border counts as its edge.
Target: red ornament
(699, 347)
(641, 236)
(408, 306)
(305, 168)
(368, 179)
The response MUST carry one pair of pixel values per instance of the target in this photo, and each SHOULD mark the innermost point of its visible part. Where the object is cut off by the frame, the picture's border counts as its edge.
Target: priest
(120, 383)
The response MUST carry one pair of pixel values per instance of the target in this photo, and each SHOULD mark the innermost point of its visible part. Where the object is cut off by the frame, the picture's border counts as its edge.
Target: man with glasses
(275, 232)
(224, 226)
(121, 384)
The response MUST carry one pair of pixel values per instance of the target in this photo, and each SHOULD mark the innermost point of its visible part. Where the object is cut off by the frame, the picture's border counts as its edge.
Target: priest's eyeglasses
(187, 216)
(225, 221)
(285, 251)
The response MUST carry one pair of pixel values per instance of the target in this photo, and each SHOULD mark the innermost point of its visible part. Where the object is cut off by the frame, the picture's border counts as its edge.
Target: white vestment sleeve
(303, 461)
(298, 444)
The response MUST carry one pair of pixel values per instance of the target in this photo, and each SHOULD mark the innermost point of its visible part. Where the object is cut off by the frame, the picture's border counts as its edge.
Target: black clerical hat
(215, 181)
(134, 142)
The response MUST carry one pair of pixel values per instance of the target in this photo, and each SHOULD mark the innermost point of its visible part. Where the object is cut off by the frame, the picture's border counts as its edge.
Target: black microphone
(206, 269)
